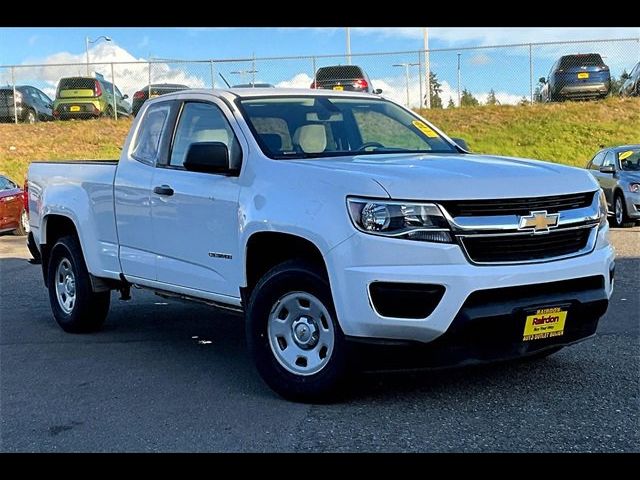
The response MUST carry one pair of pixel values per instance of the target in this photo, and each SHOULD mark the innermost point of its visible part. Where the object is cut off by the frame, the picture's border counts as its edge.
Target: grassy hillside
(567, 133)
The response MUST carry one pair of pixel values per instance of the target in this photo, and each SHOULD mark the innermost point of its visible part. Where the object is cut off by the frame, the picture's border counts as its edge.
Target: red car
(13, 216)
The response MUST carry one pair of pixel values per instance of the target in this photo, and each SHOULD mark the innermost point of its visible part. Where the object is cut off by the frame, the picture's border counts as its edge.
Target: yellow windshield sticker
(424, 128)
(623, 155)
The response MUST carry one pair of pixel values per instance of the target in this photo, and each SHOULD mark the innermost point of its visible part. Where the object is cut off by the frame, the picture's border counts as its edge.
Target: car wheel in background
(109, 112)
(31, 117)
(23, 225)
(293, 334)
(620, 218)
(76, 307)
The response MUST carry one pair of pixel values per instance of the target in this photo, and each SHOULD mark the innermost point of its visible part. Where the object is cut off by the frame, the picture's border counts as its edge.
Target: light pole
(348, 45)
(242, 73)
(87, 41)
(459, 104)
(427, 67)
(406, 73)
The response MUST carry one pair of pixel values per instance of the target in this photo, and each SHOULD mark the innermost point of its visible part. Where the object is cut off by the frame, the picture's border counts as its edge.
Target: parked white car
(332, 219)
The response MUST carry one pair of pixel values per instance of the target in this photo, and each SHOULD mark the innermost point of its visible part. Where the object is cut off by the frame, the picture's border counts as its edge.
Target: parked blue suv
(576, 76)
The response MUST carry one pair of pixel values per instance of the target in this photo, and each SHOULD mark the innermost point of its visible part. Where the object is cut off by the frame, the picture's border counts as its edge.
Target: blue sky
(504, 70)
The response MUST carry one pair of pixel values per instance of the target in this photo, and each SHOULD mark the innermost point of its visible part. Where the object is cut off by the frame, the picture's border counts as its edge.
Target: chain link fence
(502, 74)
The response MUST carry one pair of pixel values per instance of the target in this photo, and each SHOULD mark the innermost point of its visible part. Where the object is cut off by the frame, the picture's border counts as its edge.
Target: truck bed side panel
(82, 192)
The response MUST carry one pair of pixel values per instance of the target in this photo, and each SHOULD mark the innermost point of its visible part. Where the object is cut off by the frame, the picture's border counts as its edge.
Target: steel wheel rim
(618, 211)
(301, 333)
(24, 220)
(65, 286)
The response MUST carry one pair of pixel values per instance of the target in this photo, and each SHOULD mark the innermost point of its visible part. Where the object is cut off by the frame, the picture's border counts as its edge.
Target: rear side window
(588, 60)
(147, 141)
(6, 184)
(596, 163)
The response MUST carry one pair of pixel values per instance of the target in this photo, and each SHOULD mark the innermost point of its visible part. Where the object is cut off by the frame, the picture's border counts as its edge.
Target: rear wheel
(76, 307)
(23, 225)
(109, 112)
(293, 334)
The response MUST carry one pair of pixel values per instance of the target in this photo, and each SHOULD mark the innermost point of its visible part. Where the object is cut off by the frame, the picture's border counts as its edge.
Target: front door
(195, 215)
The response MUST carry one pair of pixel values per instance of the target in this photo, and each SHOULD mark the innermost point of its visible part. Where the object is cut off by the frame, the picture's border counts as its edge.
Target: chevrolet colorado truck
(330, 219)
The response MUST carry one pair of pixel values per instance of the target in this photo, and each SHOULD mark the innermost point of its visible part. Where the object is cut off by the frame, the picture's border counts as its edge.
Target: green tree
(451, 104)
(524, 101)
(435, 89)
(491, 98)
(468, 100)
(616, 83)
(537, 95)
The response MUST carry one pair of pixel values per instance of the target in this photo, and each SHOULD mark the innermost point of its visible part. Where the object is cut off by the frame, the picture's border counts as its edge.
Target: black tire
(31, 117)
(620, 218)
(90, 309)
(285, 278)
(109, 112)
(23, 225)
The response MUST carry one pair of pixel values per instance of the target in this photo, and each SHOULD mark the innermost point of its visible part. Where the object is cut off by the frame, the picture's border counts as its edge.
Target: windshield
(314, 127)
(630, 159)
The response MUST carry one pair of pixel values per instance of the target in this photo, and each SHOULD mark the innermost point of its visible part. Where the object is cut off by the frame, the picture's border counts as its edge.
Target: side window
(596, 163)
(147, 141)
(609, 159)
(107, 87)
(118, 94)
(4, 184)
(46, 100)
(203, 122)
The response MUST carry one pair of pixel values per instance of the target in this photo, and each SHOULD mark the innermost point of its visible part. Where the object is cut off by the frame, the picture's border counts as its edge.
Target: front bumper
(363, 259)
(632, 201)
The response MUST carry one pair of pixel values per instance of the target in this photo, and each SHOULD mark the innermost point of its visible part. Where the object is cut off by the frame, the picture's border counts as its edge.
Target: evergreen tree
(491, 98)
(468, 100)
(451, 104)
(435, 89)
(523, 101)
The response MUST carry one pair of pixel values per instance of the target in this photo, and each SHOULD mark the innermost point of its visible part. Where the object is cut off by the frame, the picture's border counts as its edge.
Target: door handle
(163, 190)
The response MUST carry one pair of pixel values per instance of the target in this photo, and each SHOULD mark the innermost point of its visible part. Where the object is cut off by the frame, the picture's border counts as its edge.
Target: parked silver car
(617, 170)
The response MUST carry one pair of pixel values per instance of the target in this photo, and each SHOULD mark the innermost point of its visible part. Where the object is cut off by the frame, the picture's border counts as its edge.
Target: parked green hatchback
(88, 97)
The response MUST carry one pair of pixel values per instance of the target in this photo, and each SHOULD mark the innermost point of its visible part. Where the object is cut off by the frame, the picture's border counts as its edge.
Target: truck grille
(517, 206)
(526, 247)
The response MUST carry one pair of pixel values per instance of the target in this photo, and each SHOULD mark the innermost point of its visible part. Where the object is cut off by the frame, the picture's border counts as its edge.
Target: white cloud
(480, 59)
(128, 77)
(144, 42)
(33, 39)
(301, 80)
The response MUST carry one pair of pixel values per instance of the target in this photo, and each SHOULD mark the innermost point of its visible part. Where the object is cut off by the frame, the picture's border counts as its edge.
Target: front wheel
(620, 218)
(293, 334)
(76, 307)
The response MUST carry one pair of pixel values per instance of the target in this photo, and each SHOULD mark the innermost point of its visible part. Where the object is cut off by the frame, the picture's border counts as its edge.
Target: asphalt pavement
(165, 375)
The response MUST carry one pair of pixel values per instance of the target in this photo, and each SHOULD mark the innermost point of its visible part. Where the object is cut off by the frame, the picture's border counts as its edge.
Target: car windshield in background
(630, 159)
(315, 127)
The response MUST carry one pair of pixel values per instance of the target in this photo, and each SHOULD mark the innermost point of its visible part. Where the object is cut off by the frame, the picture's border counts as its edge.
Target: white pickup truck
(332, 220)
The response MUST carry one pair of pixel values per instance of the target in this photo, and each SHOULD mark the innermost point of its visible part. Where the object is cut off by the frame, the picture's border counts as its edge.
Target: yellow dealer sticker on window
(424, 128)
(545, 323)
(626, 154)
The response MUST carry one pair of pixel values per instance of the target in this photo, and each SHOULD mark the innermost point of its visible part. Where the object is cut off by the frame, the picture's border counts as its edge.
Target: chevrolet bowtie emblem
(538, 221)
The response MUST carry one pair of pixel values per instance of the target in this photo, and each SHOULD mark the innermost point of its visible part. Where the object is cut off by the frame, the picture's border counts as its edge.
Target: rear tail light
(97, 89)
(138, 95)
(25, 195)
(361, 83)
(314, 84)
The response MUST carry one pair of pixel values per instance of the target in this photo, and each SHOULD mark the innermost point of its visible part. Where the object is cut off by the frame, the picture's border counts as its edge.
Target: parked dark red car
(13, 216)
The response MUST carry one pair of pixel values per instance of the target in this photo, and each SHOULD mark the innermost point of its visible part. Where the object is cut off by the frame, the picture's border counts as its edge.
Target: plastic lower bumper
(633, 205)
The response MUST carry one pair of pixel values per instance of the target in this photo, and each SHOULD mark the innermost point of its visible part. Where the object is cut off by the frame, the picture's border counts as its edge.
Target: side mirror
(125, 96)
(542, 80)
(208, 157)
(461, 143)
(607, 169)
(377, 91)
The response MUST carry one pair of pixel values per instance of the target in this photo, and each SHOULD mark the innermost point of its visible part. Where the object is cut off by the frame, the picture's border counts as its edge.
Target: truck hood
(460, 176)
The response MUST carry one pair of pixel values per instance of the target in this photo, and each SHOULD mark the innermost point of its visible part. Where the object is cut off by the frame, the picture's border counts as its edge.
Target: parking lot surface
(164, 375)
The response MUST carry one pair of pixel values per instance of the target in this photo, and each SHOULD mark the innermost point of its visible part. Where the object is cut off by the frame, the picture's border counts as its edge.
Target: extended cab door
(132, 191)
(195, 215)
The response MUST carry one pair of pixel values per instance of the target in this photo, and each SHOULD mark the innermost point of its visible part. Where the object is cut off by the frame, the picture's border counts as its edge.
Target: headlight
(603, 209)
(634, 187)
(408, 220)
